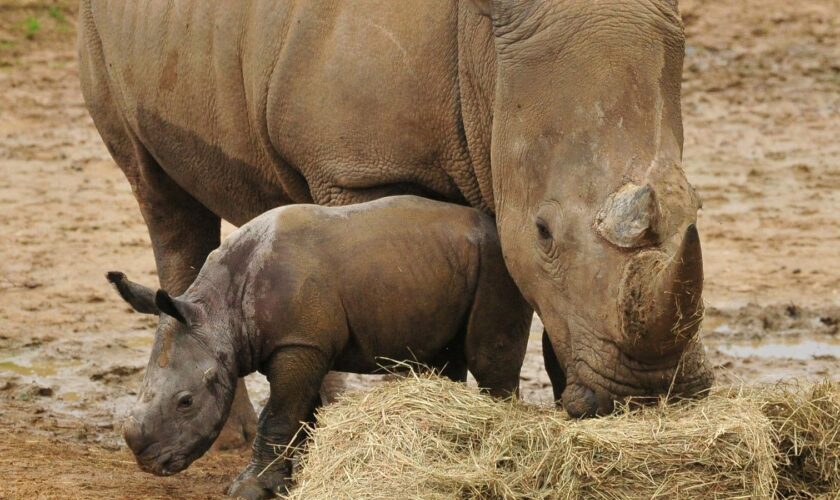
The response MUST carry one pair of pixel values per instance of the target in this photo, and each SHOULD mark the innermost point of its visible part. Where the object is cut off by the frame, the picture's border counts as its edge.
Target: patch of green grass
(6, 44)
(56, 13)
(31, 27)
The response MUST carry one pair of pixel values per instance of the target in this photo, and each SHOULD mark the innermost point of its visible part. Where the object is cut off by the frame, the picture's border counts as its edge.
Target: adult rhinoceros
(561, 117)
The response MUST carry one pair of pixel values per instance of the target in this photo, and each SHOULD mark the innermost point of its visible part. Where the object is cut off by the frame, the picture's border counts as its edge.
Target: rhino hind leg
(497, 336)
(454, 366)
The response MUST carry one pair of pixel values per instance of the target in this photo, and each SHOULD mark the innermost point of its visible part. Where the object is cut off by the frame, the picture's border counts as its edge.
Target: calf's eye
(185, 401)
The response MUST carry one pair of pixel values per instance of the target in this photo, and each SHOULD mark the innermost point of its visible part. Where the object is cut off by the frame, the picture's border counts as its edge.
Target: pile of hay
(424, 437)
(806, 421)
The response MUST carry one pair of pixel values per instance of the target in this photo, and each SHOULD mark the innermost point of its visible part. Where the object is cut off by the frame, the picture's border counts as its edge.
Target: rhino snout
(148, 457)
(580, 401)
(133, 435)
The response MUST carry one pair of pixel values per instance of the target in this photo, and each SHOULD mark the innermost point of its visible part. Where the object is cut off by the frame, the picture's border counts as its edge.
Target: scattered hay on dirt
(424, 437)
(35, 466)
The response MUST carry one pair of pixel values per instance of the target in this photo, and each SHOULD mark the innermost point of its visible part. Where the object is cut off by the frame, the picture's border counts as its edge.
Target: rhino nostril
(133, 435)
(165, 468)
(579, 401)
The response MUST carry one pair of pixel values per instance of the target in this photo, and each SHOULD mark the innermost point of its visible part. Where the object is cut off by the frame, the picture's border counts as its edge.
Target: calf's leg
(497, 336)
(335, 383)
(295, 375)
(452, 361)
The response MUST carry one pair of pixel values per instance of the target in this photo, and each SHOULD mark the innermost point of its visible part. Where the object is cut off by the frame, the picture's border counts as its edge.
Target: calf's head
(595, 215)
(188, 387)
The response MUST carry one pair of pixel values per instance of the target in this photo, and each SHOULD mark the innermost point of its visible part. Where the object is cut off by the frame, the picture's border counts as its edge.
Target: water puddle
(800, 349)
(29, 364)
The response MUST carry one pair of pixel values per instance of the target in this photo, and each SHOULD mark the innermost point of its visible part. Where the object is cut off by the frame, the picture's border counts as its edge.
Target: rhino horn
(667, 309)
(629, 217)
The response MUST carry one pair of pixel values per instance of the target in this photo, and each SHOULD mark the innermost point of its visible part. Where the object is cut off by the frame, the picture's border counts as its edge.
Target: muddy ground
(762, 122)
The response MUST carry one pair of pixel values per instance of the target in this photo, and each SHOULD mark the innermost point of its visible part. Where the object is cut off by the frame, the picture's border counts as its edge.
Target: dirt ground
(762, 145)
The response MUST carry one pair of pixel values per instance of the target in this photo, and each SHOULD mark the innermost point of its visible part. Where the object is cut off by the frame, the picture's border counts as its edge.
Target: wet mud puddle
(798, 349)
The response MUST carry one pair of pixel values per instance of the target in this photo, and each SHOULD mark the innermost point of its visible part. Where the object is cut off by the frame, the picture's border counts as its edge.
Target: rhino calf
(305, 289)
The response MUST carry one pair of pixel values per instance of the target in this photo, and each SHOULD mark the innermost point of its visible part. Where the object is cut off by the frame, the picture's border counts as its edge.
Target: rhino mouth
(590, 394)
(601, 375)
(161, 462)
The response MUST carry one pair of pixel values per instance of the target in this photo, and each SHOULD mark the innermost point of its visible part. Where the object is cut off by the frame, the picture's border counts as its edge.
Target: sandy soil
(762, 114)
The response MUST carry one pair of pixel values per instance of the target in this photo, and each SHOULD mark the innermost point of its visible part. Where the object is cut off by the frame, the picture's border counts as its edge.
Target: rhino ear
(180, 309)
(139, 297)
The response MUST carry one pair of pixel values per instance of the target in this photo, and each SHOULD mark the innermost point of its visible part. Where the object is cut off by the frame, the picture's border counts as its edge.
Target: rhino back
(373, 87)
(404, 269)
(331, 102)
(187, 88)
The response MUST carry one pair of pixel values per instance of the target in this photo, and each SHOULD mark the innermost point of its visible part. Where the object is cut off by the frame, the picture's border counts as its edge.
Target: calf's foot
(241, 425)
(254, 483)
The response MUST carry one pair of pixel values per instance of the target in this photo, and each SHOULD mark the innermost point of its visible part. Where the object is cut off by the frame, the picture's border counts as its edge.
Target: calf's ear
(183, 311)
(139, 297)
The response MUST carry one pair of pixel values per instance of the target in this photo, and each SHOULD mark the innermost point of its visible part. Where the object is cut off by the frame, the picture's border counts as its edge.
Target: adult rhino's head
(188, 387)
(595, 215)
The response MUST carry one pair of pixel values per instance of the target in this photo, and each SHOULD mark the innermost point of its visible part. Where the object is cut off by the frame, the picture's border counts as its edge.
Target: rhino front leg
(183, 232)
(335, 383)
(241, 425)
(552, 366)
(295, 375)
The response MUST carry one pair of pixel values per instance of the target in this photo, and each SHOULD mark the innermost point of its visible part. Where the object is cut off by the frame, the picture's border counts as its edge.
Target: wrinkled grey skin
(560, 117)
(305, 289)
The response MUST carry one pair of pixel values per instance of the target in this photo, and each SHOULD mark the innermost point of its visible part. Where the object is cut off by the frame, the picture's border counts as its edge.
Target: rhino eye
(185, 402)
(542, 230)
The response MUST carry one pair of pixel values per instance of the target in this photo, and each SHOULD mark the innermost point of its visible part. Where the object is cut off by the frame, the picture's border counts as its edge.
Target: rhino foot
(252, 486)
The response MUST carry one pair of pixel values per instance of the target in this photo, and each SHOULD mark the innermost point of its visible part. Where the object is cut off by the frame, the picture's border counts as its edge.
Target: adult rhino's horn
(629, 217)
(662, 300)
(681, 286)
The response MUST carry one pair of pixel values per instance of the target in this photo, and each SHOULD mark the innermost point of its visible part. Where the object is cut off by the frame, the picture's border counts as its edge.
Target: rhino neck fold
(226, 332)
